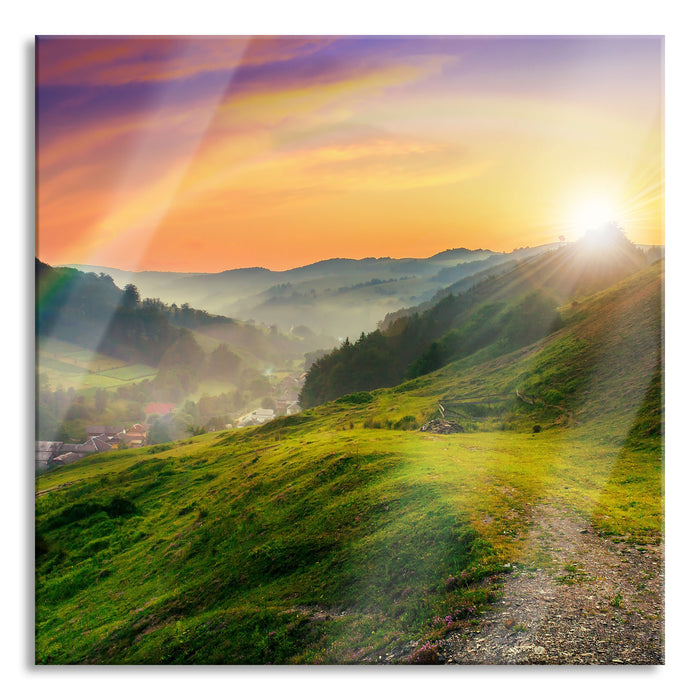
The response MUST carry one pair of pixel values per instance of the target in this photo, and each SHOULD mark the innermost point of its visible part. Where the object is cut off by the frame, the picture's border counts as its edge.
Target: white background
(21, 21)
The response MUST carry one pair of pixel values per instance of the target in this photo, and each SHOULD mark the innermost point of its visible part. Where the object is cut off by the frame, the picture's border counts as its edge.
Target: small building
(44, 452)
(53, 454)
(136, 436)
(65, 458)
(100, 444)
(159, 409)
(99, 430)
(83, 449)
(256, 417)
(293, 408)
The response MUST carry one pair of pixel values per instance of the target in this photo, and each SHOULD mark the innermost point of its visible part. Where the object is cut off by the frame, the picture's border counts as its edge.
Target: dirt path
(599, 603)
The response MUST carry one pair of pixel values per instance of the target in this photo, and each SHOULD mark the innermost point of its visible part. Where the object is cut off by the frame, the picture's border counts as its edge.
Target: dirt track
(600, 603)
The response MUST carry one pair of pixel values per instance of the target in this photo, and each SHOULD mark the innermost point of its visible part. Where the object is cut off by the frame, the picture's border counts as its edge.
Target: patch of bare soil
(595, 602)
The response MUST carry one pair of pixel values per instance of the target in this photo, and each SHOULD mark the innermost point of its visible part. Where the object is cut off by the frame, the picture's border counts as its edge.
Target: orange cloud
(371, 156)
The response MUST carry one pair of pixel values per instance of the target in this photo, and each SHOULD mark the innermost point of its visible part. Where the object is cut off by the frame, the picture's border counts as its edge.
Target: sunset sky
(207, 153)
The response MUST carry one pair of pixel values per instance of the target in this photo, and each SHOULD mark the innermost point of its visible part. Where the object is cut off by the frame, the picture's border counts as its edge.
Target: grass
(130, 373)
(223, 538)
(65, 365)
(313, 539)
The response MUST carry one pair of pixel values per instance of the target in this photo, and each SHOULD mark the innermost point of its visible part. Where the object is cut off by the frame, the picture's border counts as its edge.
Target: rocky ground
(597, 602)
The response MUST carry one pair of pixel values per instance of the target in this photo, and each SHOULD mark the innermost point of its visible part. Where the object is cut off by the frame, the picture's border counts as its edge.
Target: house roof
(86, 447)
(67, 458)
(48, 445)
(100, 445)
(102, 430)
(159, 408)
(70, 446)
(44, 450)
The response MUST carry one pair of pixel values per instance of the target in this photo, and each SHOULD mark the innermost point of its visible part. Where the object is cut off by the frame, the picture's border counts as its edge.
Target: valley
(347, 534)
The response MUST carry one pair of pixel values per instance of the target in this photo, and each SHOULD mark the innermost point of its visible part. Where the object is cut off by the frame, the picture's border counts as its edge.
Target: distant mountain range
(340, 297)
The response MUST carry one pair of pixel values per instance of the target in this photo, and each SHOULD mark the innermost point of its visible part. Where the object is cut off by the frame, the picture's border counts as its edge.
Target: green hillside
(344, 534)
(499, 314)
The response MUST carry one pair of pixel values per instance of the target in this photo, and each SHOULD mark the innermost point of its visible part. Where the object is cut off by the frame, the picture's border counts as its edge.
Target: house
(136, 436)
(159, 409)
(44, 452)
(65, 458)
(100, 444)
(256, 417)
(53, 454)
(98, 430)
(90, 446)
(293, 408)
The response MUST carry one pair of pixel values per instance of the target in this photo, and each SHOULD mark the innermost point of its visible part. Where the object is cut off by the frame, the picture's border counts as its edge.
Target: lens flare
(594, 214)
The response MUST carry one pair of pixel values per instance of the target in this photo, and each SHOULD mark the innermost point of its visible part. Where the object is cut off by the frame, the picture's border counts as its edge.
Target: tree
(100, 400)
(159, 432)
(131, 297)
(223, 364)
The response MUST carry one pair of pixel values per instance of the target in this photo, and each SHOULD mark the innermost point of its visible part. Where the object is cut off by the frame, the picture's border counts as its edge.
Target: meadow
(303, 542)
(67, 366)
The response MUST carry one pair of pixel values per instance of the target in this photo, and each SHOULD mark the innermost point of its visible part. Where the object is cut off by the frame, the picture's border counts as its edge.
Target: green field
(235, 537)
(65, 365)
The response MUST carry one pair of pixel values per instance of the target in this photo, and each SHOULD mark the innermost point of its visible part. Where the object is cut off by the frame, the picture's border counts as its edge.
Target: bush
(406, 423)
(119, 506)
(357, 397)
(74, 513)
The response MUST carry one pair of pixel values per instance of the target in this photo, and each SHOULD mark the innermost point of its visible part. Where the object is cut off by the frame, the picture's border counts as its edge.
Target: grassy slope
(314, 539)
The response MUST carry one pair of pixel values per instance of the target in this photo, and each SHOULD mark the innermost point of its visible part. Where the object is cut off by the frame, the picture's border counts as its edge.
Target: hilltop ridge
(333, 297)
(495, 313)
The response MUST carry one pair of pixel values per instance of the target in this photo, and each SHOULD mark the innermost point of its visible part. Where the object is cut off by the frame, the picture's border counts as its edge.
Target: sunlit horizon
(202, 154)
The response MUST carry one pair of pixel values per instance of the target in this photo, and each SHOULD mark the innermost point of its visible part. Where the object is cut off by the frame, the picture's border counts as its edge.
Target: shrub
(406, 423)
(357, 397)
(74, 513)
(451, 583)
(119, 506)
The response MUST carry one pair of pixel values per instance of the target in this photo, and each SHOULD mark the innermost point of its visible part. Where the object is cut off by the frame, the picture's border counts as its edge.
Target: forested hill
(91, 311)
(272, 345)
(498, 315)
(88, 309)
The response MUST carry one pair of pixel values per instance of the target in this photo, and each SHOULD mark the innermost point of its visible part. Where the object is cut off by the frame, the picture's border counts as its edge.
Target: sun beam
(593, 214)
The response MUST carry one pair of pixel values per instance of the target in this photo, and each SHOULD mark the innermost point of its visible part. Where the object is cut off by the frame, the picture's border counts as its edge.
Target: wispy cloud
(113, 61)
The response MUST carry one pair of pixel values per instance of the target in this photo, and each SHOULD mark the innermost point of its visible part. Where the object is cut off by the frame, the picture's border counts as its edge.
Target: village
(102, 438)
(286, 403)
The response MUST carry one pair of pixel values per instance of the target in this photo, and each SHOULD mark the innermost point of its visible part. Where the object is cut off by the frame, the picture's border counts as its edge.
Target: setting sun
(592, 214)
